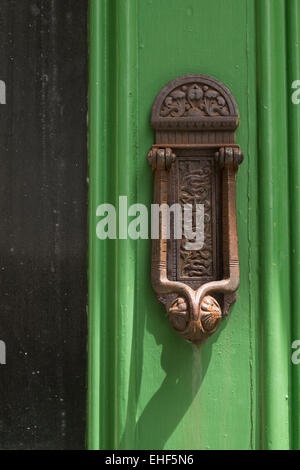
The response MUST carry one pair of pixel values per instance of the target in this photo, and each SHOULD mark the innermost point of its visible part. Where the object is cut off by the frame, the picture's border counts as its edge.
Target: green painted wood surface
(293, 70)
(273, 226)
(147, 387)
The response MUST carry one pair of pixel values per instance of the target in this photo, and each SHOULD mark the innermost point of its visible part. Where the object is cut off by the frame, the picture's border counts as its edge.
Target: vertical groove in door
(98, 384)
(293, 69)
(112, 263)
(273, 223)
(125, 173)
(251, 161)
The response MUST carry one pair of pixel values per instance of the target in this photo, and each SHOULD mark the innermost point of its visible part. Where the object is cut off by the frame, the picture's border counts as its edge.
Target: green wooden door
(148, 389)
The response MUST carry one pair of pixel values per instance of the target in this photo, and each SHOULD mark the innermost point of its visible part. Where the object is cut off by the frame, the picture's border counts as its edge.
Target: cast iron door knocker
(195, 161)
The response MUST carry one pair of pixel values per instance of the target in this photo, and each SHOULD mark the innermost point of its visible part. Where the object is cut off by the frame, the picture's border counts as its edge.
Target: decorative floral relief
(194, 100)
(178, 314)
(196, 188)
(210, 312)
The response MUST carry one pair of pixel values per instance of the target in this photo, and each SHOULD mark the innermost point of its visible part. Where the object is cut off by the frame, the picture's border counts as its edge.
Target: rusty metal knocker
(195, 160)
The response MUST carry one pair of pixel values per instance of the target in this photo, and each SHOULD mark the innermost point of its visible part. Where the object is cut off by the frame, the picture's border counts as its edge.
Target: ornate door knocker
(195, 160)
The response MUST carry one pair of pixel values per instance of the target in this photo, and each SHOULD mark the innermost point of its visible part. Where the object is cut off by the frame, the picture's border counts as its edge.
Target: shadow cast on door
(185, 366)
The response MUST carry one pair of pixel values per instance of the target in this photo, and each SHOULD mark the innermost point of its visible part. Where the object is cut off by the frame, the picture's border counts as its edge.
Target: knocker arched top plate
(195, 160)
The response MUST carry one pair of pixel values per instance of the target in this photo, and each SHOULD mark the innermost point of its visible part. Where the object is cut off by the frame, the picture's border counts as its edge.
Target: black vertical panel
(43, 239)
